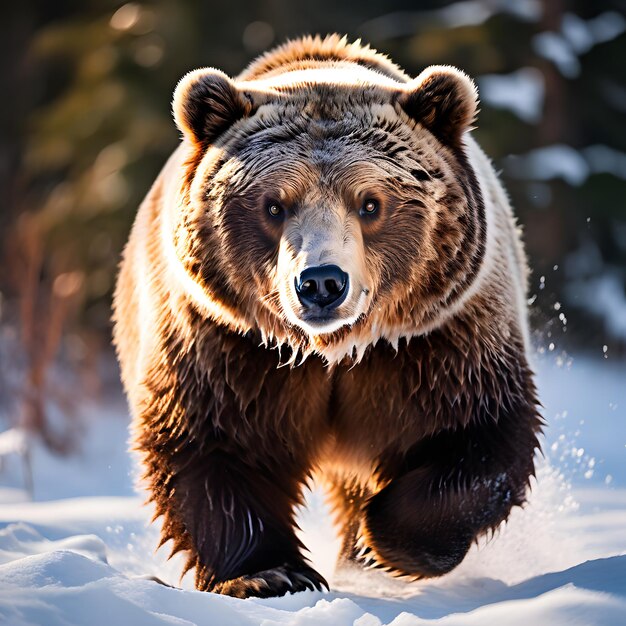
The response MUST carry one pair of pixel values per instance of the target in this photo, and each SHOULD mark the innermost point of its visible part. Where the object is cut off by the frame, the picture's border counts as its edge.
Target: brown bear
(327, 279)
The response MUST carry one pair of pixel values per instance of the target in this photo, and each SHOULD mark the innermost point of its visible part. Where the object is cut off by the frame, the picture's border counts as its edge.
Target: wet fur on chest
(355, 419)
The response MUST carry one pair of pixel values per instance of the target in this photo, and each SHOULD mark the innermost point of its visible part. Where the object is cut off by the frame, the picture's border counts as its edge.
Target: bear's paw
(273, 582)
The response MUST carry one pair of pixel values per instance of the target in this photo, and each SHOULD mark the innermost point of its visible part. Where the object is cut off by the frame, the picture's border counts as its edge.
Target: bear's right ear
(206, 103)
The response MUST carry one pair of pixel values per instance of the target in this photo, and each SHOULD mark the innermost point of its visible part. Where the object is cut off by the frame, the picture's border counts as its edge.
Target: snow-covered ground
(83, 551)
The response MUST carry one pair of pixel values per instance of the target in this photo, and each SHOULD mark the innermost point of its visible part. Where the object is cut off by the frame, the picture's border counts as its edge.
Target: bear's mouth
(322, 323)
(316, 320)
(322, 318)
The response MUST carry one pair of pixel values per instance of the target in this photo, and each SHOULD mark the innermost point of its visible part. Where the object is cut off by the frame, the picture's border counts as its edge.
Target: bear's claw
(273, 582)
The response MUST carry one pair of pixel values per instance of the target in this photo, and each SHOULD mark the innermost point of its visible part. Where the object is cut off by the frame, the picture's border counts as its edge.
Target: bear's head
(330, 207)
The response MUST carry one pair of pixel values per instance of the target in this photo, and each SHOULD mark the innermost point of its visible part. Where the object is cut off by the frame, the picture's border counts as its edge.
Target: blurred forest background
(86, 126)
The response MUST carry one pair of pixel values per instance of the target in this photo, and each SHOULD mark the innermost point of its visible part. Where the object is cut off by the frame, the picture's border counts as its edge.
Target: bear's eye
(275, 210)
(370, 207)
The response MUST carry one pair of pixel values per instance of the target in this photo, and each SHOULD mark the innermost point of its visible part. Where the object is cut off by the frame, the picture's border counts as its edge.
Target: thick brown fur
(414, 402)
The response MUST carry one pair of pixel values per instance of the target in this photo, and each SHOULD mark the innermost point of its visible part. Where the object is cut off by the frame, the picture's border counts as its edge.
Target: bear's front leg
(453, 486)
(226, 452)
(235, 522)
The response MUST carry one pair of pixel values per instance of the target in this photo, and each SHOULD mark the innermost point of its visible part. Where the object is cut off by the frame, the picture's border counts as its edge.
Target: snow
(604, 297)
(577, 37)
(13, 441)
(473, 12)
(604, 159)
(521, 92)
(555, 48)
(583, 35)
(549, 162)
(572, 165)
(83, 551)
(468, 13)
(455, 15)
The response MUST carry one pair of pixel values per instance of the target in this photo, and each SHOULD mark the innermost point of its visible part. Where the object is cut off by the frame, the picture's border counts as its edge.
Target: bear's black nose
(323, 285)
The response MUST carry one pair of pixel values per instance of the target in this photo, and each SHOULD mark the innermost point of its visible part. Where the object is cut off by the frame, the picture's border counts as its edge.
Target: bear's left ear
(444, 100)
(206, 103)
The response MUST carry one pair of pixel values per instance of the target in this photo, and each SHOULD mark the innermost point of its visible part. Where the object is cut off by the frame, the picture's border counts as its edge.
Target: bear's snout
(323, 286)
